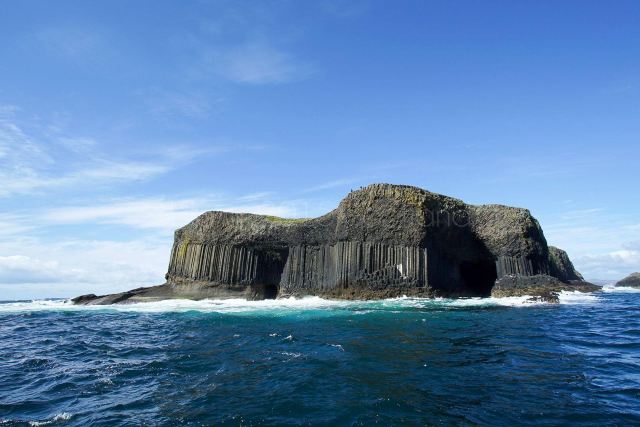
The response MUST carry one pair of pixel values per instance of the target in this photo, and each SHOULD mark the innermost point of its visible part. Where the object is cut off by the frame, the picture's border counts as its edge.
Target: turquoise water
(317, 362)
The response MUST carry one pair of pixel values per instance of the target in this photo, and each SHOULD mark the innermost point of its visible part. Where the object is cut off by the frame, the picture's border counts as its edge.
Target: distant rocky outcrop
(381, 241)
(631, 281)
(540, 287)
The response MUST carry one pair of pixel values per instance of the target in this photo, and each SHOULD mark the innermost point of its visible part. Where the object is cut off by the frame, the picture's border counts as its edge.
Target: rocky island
(381, 241)
(631, 281)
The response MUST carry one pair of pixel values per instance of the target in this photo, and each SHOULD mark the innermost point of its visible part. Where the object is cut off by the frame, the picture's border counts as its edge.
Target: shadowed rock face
(382, 241)
(560, 266)
(631, 281)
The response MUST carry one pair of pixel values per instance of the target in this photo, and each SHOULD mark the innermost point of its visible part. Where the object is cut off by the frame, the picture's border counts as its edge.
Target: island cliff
(381, 241)
(631, 281)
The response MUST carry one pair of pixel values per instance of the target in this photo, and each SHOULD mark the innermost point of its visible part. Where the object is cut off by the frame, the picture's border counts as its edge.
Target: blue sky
(122, 120)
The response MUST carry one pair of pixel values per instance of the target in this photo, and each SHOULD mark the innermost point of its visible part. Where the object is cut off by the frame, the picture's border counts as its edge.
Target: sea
(310, 361)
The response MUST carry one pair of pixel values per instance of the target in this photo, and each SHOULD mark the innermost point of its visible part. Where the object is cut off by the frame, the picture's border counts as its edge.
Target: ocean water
(317, 362)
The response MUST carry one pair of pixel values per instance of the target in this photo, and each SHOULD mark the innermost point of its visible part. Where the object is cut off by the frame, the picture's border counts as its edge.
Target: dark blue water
(406, 362)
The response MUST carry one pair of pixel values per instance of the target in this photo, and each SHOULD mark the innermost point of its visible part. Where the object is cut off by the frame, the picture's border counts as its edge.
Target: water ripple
(395, 362)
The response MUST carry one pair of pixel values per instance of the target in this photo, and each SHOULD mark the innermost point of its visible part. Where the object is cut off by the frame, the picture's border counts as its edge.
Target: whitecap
(290, 354)
(181, 305)
(294, 305)
(620, 289)
(577, 298)
(64, 416)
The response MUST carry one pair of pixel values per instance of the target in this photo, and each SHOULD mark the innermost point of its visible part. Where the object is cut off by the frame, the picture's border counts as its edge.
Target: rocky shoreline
(382, 241)
(631, 281)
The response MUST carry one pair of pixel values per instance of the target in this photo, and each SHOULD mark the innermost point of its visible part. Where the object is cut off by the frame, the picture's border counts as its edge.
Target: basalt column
(361, 265)
(230, 265)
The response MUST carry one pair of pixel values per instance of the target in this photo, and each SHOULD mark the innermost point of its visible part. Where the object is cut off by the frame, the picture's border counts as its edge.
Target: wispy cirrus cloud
(25, 167)
(12, 224)
(78, 44)
(336, 183)
(255, 63)
(32, 161)
(160, 213)
(172, 105)
(247, 46)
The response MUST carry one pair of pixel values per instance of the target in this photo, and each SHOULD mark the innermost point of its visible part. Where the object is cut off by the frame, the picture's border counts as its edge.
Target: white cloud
(256, 196)
(25, 165)
(613, 265)
(167, 105)
(108, 170)
(23, 179)
(157, 213)
(255, 63)
(32, 265)
(580, 214)
(12, 224)
(600, 244)
(23, 269)
(331, 184)
(263, 209)
(77, 144)
(35, 163)
(152, 213)
(82, 266)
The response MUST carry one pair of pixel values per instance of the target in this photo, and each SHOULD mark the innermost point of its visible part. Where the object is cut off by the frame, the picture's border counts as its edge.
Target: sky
(121, 121)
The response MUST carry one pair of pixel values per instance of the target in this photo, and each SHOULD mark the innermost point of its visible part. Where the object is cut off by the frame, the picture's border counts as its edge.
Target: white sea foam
(620, 289)
(459, 302)
(288, 305)
(578, 298)
(56, 418)
(181, 305)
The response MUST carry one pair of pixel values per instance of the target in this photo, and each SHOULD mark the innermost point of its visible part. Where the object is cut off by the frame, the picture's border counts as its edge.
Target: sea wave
(75, 365)
(294, 304)
(64, 416)
(620, 289)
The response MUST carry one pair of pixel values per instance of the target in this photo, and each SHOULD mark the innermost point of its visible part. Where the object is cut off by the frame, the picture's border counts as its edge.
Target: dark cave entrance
(262, 291)
(479, 276)
(271, 263)
(270, 291)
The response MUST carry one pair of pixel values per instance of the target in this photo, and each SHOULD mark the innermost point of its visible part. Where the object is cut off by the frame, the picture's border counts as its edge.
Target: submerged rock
(631, 281)
(381, 241)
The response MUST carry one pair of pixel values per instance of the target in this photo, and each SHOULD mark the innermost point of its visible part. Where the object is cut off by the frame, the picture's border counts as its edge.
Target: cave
(270, 291)
(479, 276)
(262, 291)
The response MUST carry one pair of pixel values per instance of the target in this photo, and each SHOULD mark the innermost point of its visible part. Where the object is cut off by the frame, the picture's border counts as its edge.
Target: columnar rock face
(381, 241)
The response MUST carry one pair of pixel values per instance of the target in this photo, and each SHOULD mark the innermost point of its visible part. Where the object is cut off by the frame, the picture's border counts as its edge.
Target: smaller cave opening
(270, 291)
(262, 291)
(479, 276)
